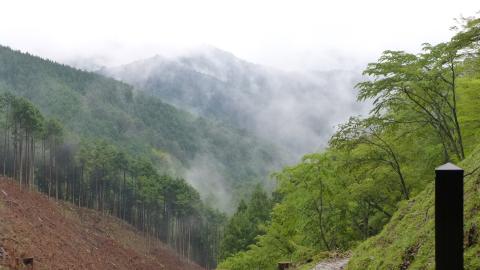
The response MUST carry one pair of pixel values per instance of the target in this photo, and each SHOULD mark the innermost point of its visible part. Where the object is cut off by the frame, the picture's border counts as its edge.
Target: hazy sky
(285, 34)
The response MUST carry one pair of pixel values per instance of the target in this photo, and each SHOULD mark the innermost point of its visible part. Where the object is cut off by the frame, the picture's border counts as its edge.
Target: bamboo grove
(93, 173)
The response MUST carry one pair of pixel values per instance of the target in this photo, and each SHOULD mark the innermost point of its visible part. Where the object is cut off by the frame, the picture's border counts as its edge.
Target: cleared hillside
(59, 235)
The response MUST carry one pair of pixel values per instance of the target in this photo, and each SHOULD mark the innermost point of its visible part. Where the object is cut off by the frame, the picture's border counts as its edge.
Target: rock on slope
(59, 235)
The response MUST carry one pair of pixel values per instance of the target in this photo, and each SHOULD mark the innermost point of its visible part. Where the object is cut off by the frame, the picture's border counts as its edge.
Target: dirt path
(335, 264)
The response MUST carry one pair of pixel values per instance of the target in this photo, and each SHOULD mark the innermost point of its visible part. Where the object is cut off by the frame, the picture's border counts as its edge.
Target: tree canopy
(423, 115)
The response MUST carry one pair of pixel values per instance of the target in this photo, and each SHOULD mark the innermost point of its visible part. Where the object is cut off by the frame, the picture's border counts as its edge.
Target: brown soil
(59, 235)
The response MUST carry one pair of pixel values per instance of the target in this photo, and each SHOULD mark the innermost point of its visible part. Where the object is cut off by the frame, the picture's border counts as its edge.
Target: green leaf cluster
(375, 178)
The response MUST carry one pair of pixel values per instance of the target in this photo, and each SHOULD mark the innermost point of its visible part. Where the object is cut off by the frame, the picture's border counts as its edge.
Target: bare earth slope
(59, 235)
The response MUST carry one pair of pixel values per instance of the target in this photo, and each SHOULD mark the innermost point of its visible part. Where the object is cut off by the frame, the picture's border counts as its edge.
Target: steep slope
(216, 84)
(407, 241)
(62, 236)
(93, 106)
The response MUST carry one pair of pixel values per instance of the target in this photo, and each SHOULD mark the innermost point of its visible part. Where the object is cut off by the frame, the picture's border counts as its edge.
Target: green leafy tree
(247, 223)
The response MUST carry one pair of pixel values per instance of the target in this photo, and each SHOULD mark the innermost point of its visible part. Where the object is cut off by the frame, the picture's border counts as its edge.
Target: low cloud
(205, 175)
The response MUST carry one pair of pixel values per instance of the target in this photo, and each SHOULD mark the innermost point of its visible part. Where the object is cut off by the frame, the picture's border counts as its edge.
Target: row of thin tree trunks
(67, 182)
(22, 163)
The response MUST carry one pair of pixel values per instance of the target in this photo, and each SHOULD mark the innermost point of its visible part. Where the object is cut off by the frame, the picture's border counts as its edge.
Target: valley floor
(58, 235)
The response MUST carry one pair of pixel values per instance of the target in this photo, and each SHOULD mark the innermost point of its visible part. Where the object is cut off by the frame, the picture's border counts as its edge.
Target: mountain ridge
(218, 85)
(95, 106)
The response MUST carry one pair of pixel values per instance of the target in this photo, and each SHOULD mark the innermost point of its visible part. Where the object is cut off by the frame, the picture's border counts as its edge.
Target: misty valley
(201, 159)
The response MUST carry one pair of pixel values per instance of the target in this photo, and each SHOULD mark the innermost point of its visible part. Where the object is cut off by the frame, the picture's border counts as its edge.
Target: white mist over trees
(295, 111)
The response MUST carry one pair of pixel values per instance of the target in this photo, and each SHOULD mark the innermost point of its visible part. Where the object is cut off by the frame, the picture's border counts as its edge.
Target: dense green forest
(218, 85)
(93, 106)
(98, 175)
(93, 141)
(375, 178)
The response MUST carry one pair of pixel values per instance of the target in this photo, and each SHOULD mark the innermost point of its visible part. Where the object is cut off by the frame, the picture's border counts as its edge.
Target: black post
(449, 217)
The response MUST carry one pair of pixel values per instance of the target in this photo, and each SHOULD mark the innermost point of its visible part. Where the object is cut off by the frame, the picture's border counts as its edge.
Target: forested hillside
(90, 140)
(98, 175)
(376, 176)
(218, 85)
(91, 106)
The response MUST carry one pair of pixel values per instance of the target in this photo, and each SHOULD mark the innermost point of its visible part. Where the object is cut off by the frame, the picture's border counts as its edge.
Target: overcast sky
(291, 35)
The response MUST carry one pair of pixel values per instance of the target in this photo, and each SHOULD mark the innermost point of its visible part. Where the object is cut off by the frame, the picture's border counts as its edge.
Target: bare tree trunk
(44, 160)
(32, 167)
(21, 161)
(5, 144)
(15, 141)
(55, 169)
(5, 158)
(50, 165)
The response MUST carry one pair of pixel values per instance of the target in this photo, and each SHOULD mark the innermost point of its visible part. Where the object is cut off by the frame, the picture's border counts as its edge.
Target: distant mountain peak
(218, 85)
(209, 50)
